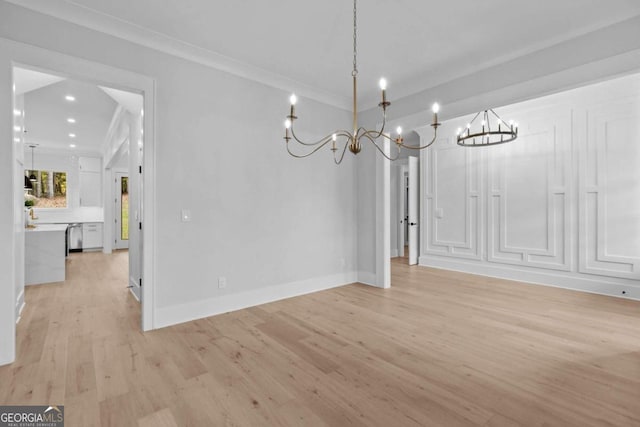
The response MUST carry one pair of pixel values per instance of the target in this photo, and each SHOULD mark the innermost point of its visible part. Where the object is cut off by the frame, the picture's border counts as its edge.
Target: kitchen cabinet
(90, 164)
(44, 254)
(90, 181)
(92, 235)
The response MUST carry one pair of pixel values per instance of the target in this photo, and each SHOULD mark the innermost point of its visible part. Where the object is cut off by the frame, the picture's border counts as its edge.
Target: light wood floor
(437, 349)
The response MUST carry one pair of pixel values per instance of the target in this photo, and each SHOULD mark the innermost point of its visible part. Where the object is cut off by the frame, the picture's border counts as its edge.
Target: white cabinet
(90, 181)
(90, 189)
(90, 164)
(91, 235)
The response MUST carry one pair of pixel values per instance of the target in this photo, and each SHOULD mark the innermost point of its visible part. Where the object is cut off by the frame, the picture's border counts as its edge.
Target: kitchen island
(45, 254)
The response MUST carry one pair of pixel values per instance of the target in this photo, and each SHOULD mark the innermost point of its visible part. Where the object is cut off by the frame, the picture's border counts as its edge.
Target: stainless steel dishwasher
(74, 237)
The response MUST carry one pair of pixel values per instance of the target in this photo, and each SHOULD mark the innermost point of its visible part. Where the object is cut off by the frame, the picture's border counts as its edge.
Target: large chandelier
(342, 139)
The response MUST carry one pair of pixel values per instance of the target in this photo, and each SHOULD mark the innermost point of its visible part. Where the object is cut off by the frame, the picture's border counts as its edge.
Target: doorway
(85, 107)
(121, 220)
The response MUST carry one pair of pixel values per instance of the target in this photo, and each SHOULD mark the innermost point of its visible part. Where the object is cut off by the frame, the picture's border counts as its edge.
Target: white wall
(557, 206)
(272, 225)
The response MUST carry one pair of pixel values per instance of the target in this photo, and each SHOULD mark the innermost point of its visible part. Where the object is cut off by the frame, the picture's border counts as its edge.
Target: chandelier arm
(302, 156)
(381, 131)
(429, 144)
(344, 150)
(324, 139)
(380, 149)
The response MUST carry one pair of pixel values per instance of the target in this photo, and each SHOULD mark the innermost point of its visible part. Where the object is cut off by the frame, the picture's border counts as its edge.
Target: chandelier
(342, 139)
(493, 131)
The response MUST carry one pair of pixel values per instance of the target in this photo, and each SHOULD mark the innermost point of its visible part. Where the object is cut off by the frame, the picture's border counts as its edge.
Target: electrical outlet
(222, 282)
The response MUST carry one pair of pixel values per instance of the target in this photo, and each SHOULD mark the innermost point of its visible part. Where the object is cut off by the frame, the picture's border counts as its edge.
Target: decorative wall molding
(452, 198)
(528, 204)
(107, 24)
(609, 231)
(558, 206)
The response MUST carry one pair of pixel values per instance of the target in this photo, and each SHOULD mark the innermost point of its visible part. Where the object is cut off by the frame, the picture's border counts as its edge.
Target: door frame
(403, 175)
(21, 55)
(414, 209)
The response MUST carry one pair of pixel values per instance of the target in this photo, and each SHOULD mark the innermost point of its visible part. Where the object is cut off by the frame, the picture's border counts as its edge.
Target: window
(49, 188)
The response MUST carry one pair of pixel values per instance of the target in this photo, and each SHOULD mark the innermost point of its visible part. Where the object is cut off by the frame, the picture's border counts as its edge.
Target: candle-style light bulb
(383, 87)
(293, 99)
(399, 130)
(287, 126)
(436, 109)
(334, 137)
(459, 131)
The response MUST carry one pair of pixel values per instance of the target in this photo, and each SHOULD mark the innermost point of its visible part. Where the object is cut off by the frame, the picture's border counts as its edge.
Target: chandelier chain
(355, 40)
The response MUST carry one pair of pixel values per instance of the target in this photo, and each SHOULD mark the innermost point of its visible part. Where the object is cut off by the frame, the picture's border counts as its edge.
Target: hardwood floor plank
(439, 348)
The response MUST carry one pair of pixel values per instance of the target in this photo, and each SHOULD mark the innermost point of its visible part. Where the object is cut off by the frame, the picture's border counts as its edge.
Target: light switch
(186, 215)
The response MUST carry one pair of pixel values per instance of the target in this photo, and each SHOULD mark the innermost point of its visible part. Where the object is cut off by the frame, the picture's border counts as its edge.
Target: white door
(413, 210)
(121, 230)
(402, 211)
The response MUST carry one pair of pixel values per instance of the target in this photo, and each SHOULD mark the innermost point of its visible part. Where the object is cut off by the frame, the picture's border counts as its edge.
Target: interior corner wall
(273, 226)
(557, 206)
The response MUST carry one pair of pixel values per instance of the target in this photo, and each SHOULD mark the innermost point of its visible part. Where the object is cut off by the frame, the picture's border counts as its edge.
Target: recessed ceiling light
(17, 128)
(71, 120)
(16, 139)
(70, 98)
(72, 135)
(17, 112)
(72, 145)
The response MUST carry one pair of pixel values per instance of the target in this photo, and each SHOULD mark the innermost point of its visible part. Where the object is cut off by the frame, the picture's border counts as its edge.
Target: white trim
(367, 278)
(394, 253)
(19, 306)
(557, 279)
(133, 285)
(112, 26)
(167, 316)
(32, 57)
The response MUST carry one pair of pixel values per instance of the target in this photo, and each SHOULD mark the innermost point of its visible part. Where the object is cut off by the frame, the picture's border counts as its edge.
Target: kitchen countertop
(47, 227)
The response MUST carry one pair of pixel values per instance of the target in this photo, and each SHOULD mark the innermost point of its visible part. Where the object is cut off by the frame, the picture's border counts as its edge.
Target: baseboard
(168, 316)
(367, 278)
(19, 306)
(133, 287)
(622, 288)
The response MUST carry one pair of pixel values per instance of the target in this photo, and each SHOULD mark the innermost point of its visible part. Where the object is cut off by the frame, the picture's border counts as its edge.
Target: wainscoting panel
(528, 200)
(609, 218)
(559, 206)
(452, 196)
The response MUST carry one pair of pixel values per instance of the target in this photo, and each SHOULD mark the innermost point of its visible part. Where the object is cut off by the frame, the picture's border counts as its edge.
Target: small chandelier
(353, 139)
(493, 131)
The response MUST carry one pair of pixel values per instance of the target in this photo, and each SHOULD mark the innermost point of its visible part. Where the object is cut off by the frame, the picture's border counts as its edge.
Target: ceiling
(414, 44)
(47, 113)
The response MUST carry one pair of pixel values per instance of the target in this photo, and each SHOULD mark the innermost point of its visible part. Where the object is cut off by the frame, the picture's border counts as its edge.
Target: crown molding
(94, 20)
